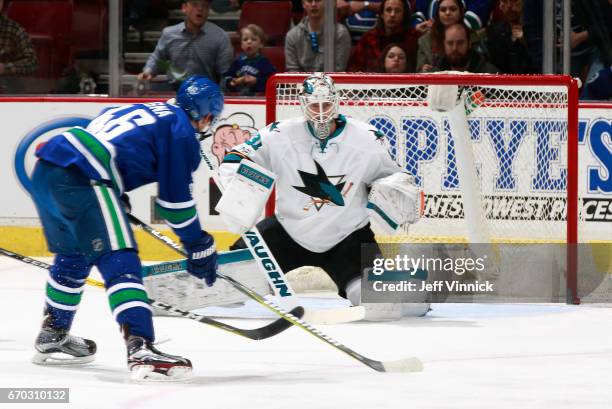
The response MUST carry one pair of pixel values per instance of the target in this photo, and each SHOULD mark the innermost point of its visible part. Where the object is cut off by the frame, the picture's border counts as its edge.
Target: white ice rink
(475, 356)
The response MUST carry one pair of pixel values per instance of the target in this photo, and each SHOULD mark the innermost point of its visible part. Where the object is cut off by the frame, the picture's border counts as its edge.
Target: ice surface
(475, 356)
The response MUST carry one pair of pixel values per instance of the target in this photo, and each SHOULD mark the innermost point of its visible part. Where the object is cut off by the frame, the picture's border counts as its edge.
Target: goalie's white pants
(385, 311)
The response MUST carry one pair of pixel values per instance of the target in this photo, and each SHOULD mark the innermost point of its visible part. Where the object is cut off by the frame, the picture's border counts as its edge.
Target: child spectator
(394, 59)
(250, 71)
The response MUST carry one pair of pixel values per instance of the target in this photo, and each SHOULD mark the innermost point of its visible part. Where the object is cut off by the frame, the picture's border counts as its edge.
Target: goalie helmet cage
(523, 130)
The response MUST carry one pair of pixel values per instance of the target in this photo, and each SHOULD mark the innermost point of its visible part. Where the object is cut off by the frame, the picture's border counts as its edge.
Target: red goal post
(524, 134)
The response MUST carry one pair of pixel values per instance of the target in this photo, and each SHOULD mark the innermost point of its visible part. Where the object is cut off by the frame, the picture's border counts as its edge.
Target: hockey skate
(58, 347)
(147, 363)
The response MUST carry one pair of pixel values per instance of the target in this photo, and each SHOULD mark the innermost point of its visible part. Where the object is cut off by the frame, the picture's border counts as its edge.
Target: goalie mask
(319, 100)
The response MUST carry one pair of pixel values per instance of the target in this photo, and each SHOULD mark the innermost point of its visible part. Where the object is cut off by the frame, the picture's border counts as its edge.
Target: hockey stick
(411, 364)
(275, 276)
(275, 327)
(44, 265)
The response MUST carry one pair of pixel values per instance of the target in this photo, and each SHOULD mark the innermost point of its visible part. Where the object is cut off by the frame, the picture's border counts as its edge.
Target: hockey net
(523, 151)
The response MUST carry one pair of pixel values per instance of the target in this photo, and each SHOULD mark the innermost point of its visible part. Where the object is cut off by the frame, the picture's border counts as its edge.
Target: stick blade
(403, 365)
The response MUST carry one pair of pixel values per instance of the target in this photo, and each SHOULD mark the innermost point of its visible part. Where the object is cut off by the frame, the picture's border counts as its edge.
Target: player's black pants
(342, 262)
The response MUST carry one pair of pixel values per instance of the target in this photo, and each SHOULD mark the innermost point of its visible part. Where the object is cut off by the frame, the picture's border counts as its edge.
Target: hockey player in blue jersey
(77, 185)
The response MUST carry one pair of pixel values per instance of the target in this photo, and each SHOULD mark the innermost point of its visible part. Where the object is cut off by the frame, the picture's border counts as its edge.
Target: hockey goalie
(333, 174)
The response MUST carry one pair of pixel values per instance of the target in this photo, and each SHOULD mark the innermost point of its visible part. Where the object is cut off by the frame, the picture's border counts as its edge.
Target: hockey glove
(202, 261)
(394, 201)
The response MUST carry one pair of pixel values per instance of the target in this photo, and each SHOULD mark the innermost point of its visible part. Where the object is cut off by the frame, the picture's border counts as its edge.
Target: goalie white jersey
(321, 185)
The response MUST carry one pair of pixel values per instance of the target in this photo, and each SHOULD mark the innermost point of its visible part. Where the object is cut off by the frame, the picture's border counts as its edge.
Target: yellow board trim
(30, 241)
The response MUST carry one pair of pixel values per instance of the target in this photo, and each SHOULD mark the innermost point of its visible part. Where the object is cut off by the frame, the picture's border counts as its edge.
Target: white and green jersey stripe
(117, 227)
(99, 154)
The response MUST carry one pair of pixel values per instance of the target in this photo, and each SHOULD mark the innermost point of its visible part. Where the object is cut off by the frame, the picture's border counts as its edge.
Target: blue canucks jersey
(134, 145)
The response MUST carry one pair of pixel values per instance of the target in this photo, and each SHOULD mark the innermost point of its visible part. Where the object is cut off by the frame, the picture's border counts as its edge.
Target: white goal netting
(518, 134)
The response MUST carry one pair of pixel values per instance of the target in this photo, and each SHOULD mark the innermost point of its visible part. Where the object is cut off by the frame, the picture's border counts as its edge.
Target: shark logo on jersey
(380, 137)
(274, 127)
(321, 189)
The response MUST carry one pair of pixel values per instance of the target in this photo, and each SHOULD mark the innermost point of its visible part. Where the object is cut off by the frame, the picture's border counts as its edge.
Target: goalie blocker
(245, 196)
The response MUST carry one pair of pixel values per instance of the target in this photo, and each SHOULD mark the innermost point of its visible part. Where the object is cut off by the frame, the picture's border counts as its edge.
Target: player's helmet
(319, 100)
(199, 96)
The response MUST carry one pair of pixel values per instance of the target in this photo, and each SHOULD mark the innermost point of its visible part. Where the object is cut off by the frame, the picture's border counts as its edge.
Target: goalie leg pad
(386, 311)
(182, 290)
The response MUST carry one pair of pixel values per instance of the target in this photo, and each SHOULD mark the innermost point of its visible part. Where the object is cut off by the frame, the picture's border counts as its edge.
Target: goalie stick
(275, 327)
(274, 274)
(411, 364)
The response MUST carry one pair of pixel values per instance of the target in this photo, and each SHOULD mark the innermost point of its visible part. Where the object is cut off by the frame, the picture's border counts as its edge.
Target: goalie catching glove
(394, 201)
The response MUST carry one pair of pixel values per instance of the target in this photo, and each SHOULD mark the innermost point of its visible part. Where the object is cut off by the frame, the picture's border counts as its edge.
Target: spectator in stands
(599, 86)
(476, 14)
(304, 42)
(505, 45)
(459, 55)
(392, 27)
(359, 16)
(431, 44)
(17, 56)
(596, 17)
(193, 47)
(394, 59)
(250, 71)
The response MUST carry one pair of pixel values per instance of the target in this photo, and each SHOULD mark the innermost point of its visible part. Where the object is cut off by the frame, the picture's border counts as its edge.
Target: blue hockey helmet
(199, 96)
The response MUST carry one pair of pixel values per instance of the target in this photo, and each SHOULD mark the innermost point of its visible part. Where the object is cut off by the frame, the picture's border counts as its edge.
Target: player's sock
(64, 289)
(147, 363)
(127, 295)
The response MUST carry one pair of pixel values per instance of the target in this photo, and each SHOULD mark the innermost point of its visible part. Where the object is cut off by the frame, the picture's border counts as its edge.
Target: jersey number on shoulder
(107, 127)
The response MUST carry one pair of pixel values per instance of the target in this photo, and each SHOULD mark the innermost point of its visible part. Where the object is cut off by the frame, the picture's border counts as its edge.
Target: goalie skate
(55, 347)
(147, 363)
